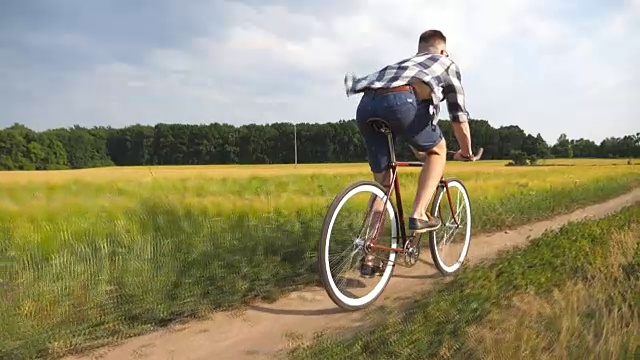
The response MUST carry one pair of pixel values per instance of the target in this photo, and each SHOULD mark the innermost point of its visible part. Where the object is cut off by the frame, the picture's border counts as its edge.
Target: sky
(551, 67)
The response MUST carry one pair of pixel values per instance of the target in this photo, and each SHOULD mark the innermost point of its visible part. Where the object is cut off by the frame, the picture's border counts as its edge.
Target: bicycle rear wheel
(344, 244)
(449, 243)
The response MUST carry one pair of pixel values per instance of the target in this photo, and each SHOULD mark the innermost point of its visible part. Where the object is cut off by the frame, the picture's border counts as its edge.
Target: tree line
(180, 144)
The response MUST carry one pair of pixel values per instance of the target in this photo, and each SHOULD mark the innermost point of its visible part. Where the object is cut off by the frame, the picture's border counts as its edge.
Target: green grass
(585, 270)
(91, 260)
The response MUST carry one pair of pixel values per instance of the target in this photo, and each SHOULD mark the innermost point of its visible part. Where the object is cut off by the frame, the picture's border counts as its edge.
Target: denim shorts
(406, 116)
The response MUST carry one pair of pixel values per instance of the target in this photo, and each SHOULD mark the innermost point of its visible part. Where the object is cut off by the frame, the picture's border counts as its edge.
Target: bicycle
(401, 243)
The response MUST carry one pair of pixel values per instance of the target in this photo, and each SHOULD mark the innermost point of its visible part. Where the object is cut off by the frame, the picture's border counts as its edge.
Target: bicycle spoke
(452, 222)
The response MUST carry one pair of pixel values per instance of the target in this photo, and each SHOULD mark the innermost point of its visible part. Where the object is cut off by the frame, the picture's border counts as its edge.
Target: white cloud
(521, 65)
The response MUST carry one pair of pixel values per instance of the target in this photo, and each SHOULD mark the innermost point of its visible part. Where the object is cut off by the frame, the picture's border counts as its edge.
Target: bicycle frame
(395, 181)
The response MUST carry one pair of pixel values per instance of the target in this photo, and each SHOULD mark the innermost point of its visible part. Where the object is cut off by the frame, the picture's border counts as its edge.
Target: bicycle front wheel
(351, 223)
(449, 243)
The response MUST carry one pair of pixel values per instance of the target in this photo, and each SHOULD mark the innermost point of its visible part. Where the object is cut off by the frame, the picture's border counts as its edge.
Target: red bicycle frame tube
(446, 187)
(396, 186)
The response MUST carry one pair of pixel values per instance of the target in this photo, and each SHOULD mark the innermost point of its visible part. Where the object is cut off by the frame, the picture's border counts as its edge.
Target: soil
(267, 330)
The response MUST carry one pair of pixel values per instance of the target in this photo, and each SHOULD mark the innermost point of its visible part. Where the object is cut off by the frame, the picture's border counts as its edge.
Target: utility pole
(295, 146)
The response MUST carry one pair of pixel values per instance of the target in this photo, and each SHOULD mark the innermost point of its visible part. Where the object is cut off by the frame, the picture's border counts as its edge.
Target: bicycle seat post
(392, 153)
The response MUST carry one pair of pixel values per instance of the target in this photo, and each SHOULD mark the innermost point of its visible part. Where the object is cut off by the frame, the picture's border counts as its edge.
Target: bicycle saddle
(379, 124)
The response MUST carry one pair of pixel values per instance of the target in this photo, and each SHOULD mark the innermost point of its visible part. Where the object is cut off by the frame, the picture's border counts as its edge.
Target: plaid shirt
(439, 72)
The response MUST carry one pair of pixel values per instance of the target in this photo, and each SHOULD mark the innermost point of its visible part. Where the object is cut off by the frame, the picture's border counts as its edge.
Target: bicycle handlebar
(476, 156)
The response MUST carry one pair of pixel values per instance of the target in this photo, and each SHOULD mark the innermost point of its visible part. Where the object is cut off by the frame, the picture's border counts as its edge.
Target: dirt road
(263, 331)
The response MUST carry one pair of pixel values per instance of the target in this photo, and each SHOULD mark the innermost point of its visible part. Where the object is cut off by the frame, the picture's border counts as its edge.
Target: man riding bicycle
(403, 94)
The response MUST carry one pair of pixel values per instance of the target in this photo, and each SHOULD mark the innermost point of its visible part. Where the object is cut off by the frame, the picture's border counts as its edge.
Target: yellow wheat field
(135, 246)
(261, 188)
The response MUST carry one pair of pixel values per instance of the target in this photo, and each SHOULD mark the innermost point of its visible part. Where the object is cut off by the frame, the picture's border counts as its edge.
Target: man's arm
(463, 135)
(454, 95)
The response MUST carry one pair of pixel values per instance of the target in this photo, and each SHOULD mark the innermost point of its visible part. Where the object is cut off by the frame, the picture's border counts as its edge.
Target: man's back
(433, 76)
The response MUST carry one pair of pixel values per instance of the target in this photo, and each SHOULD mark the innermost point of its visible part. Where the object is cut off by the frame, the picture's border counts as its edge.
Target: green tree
(562, 148)
(174, 144)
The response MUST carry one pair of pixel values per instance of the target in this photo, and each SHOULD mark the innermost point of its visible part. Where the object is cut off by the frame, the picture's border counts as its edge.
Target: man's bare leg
(384, 179)
(432, 170)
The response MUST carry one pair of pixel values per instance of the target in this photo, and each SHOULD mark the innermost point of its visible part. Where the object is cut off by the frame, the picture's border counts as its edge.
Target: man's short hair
(431, 37)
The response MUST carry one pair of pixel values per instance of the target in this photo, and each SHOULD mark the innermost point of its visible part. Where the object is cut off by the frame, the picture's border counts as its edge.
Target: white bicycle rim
(394, 242)
(465, 248)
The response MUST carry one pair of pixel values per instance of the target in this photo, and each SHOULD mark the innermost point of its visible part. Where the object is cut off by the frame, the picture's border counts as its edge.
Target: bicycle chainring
(412, 251)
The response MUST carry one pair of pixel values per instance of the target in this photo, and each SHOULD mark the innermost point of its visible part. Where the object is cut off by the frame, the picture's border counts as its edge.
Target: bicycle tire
(334, 294)
(439, 196)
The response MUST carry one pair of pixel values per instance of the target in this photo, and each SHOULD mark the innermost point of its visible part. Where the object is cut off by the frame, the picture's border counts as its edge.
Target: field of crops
(100, 254)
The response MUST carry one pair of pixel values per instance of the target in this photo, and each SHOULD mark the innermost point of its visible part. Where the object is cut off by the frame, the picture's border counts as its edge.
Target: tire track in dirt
(264, 331)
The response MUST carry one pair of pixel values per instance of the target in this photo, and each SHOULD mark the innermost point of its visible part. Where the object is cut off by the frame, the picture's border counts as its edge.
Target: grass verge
(570, 294)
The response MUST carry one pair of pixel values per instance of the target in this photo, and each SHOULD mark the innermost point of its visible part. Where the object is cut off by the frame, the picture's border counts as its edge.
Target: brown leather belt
(389, 90)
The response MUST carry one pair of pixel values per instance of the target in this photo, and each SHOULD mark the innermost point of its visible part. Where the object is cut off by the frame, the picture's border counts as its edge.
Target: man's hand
(460, 156)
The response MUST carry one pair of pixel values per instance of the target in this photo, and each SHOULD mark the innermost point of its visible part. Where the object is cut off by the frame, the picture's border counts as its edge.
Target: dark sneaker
(420, 226)
(367, 269)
